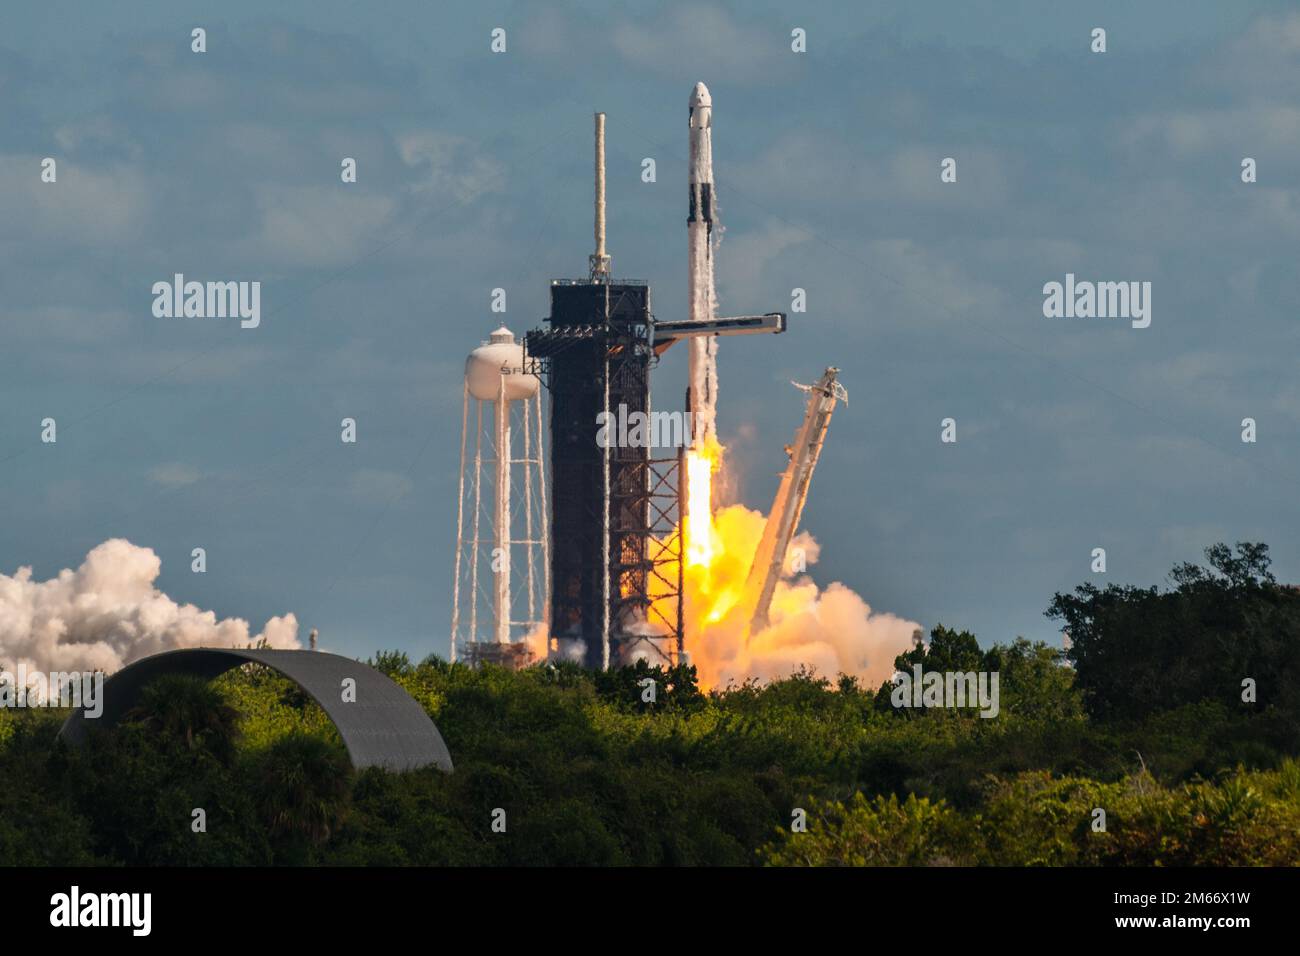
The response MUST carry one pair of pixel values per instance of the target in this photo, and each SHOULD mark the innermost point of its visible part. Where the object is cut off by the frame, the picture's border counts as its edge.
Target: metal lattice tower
(501, 569)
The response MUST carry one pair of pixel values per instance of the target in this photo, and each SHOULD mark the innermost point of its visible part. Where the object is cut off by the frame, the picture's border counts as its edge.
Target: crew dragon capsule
(701, 150)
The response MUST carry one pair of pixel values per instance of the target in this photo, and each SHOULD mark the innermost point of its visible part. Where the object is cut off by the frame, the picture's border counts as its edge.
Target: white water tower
(502, 572)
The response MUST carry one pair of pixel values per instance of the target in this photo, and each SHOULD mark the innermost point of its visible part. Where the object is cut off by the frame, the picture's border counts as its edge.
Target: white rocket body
(701, 297)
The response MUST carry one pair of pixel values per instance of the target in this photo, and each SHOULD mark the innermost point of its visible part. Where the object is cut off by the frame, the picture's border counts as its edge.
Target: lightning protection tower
(502, 574)
(616, 570)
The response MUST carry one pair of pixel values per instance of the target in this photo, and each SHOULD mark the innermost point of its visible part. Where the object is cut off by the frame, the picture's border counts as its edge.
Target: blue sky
(474, 173)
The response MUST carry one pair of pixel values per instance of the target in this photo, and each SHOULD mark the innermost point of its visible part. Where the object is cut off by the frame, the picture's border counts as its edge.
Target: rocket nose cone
(700, 96)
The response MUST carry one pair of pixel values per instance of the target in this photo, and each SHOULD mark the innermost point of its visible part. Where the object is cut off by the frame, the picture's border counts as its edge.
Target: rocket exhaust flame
(830, 630)
(700, 465)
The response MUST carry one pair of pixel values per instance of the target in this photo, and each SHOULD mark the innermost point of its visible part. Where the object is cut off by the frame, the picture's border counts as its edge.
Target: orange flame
(701, 463)
(715, 572)
(831, 630)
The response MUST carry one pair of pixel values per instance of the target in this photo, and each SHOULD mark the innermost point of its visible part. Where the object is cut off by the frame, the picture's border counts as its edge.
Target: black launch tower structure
(616, 545)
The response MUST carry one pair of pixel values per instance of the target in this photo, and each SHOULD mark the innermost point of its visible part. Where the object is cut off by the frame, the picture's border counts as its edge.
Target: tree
(187, 708)
(948, 650)
(304, 788)
(392, 663)
(1141, 650)
(1032, 680)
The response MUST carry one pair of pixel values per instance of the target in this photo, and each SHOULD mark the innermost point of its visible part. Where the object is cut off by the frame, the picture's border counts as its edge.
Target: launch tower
(617, 537)
(616, 569)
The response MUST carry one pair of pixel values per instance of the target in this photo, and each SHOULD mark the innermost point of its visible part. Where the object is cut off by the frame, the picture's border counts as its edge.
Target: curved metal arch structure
(383, 727)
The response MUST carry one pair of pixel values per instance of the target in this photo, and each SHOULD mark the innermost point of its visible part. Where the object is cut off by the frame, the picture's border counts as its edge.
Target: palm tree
(189, 708)
(305, 787)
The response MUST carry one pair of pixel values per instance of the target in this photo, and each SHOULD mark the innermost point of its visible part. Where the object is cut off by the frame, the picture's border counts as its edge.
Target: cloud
(85, 206)
(1261, 63)
(700, 37)
(108, 613)
(98, 135)
(816, 166)
(315, 226)
(1192, 132)
(744, 258)
(73, 325)
(449, 165)
(174, 474)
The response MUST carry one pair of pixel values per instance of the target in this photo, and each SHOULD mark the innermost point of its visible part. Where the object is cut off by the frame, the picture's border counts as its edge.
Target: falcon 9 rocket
(701, 298)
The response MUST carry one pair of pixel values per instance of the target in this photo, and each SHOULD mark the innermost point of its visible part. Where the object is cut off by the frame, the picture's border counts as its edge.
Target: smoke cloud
(832, 630)
(108, 613)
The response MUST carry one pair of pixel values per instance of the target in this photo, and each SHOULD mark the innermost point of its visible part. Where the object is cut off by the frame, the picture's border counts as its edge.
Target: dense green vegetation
(1148, 723)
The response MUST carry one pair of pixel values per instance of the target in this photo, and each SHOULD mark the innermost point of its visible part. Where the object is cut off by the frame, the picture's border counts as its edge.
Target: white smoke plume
(108, 613)
(831, 630)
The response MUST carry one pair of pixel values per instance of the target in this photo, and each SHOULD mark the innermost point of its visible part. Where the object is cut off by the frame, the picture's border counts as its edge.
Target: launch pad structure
(615, 544)
(616, 529)
(614, 550)
(792, 494)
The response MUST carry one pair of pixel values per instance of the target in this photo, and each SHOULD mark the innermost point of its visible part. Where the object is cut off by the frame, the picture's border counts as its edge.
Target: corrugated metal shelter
(383, 727)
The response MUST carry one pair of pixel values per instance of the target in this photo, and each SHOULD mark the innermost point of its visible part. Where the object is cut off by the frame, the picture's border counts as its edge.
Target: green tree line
(1145, 717)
